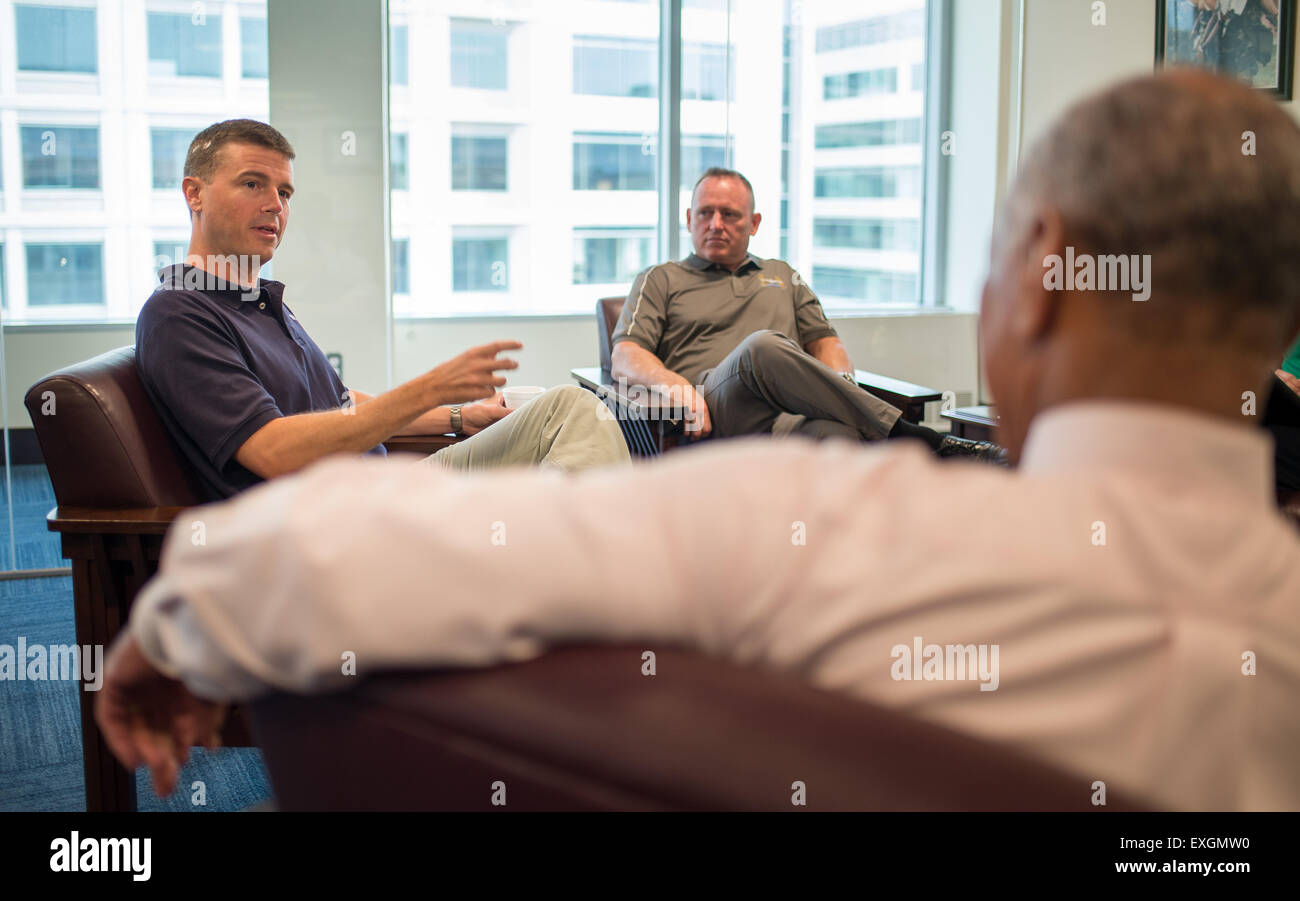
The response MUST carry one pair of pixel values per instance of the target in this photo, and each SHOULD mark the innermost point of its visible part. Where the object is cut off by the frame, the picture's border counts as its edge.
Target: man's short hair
(202, 159)
(719, 172)
(1199, 172)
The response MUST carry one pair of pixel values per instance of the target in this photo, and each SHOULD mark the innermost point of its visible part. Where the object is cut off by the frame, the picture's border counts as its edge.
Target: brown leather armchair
(119, 481)
(652, 427)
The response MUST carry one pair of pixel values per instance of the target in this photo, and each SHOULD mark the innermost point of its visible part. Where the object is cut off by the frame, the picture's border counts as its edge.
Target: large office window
(168, 147)
(480, 264)
(401, 266)
(865, 286)
(60, 156)
(83, 116)
(826, 86)
(186, 44)
(55, 39)
(612, 162)
(610, 255)
(479, 163)
(253, 56)
(840, 85)
(869, 134)
(478, 55)
(3, 299)
(898, 26)
(398, 156)
(59, 274)
(867, 234)
(868, 181)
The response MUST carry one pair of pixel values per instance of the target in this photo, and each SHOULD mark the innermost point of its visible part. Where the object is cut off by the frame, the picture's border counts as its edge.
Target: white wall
(1067, 57)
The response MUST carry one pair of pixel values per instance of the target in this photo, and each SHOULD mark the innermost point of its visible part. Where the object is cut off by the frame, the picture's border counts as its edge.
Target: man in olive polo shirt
(744, 341)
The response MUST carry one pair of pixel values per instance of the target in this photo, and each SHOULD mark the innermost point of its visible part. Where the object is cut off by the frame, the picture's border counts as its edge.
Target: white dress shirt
(1128, 573)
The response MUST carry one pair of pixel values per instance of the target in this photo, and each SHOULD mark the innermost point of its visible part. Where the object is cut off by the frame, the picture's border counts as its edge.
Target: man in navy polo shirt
(247, 394)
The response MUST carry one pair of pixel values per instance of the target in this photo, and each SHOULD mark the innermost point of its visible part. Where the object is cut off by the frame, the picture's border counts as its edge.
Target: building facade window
(704, 72)
(253, 55)
(612, 162)
(900, 26)
(398, 157)
(401, 266)
(610, 255)
(865, 285)
(479, 55)
(60, 156)
(185, 45)
(629, 67)
(398, 52)
(701, 152)
(478, 163)
(480, 264)
(868, 181)
(868, 234)
(55, 39)
(60, 274)
(168, 147)
(879, 133)
(615, 67)
(859, 84)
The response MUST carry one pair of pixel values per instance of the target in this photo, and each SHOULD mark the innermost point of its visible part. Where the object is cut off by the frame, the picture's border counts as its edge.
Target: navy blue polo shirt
(219, 362)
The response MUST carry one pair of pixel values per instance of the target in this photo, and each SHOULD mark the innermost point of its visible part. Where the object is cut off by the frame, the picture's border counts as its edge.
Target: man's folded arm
(396, 564)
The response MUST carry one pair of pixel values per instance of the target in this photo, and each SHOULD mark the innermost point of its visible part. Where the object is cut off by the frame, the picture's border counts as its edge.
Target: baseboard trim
(23, 447)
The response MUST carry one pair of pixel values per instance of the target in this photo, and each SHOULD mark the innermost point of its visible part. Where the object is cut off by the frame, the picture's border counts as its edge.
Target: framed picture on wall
(1251, 39)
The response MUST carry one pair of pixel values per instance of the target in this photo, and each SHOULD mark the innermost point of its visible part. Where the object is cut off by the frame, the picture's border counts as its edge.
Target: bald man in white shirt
(1131, 586)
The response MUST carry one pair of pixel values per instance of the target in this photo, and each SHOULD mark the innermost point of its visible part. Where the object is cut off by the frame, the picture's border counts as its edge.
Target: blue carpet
(40, 722)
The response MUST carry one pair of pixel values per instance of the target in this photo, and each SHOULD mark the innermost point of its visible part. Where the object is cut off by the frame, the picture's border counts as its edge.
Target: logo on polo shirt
(767, 282)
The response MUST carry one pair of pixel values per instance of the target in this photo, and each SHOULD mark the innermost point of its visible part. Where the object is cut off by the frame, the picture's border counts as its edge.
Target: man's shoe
(976, 450)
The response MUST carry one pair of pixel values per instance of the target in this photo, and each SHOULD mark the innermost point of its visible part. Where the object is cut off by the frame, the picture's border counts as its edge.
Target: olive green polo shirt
(691, 314)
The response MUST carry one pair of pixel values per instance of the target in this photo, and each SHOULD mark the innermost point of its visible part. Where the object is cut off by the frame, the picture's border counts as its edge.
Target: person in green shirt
(1282, 418)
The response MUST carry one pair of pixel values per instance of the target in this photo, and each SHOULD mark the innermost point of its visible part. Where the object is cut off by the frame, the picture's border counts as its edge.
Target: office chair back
(608, 309)
(102, 439)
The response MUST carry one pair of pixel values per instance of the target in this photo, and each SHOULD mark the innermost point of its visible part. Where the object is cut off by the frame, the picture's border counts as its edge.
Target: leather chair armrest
(906, 396)
(420, 444)
(634, 399)
(582, 729)
(111, 521)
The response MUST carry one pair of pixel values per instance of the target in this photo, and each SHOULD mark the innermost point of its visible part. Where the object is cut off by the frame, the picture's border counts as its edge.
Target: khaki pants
(565, 428)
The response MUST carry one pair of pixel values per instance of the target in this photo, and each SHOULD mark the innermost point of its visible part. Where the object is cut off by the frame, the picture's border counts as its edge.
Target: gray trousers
(769, 384)
(565, 428)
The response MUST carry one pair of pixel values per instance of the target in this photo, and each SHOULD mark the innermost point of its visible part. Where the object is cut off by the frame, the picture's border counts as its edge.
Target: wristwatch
(456, 424)
(850, 377)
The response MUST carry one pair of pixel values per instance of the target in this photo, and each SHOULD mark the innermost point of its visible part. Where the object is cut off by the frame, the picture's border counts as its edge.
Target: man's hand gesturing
(472, 375)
